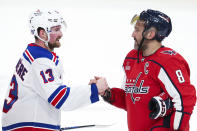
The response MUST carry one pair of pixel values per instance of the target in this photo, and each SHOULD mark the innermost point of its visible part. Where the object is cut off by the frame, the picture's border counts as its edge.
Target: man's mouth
(58, 39)
(135, 41)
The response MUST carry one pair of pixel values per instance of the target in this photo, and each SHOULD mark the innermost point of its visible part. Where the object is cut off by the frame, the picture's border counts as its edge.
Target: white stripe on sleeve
(177, 120)
(173, 92)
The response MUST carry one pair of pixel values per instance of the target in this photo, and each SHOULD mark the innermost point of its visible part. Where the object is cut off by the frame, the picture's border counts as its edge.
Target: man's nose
(60, 33)
(133, 34)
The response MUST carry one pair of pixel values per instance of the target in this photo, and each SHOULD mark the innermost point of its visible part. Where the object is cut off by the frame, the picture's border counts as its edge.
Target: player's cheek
(52, 37)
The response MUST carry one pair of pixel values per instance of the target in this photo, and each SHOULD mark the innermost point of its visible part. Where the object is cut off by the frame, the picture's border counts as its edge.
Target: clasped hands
(101, 84)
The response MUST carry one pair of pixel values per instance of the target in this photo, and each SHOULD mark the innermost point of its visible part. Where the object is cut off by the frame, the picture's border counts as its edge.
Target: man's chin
(54, 45)
(57, 45)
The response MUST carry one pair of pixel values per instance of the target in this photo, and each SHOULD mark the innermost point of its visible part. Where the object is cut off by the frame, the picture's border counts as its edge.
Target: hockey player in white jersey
(37, 94)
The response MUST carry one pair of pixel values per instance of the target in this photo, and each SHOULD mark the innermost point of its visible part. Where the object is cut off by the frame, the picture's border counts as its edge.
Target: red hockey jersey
(165, 70)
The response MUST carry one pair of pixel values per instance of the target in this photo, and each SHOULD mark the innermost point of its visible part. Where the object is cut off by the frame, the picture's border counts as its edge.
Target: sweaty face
(55, 36)
(137, 33)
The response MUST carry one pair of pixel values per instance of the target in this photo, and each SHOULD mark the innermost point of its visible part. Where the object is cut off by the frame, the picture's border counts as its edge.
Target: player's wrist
(107, 95)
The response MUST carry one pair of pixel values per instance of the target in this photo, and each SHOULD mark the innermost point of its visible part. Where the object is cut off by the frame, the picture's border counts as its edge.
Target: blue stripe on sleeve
(94, 93)
(57, 61)
(61, 102)
(55, 93)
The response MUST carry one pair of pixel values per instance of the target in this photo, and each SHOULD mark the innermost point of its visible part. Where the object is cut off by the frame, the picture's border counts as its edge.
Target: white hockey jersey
(36, 93)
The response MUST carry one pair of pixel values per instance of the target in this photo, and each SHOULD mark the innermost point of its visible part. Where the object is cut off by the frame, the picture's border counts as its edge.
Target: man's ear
(150, 34)
(43, 34)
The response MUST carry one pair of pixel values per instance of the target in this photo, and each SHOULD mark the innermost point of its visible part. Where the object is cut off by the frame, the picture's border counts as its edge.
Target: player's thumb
(97, 77)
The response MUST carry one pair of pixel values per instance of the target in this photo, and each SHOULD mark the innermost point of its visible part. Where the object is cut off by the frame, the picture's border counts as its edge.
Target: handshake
(101, 84)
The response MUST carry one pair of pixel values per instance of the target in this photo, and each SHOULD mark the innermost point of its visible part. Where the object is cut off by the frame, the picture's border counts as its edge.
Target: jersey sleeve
(175, 77)
(50, 86)
(118, 98)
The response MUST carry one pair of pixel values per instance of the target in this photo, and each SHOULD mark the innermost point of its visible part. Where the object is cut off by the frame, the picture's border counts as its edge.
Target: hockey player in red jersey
(157, 94)
(37, 93)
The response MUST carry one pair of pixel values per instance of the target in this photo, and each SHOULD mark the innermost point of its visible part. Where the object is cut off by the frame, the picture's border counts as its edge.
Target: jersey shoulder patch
(169, 52)
(167, 56)
(34, 52)
(166, 53)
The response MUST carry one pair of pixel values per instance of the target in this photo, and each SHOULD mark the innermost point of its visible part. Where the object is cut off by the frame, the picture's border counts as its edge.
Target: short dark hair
(38, 30)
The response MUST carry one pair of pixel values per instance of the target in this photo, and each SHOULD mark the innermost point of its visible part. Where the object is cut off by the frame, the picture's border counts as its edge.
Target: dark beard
(144, 46)
(52, 46)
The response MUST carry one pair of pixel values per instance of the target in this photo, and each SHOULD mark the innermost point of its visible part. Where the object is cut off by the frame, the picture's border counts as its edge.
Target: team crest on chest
(131, 88)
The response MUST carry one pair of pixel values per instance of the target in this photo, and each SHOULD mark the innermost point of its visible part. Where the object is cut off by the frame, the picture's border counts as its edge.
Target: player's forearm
(180, 118)
(179, 121)
(116, 97)
(81, 96)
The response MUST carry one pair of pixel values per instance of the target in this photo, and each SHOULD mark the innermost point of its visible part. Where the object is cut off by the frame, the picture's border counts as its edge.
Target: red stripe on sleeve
(58, 97)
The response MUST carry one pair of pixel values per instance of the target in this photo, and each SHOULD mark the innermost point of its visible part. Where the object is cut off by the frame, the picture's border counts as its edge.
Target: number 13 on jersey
(47, 76)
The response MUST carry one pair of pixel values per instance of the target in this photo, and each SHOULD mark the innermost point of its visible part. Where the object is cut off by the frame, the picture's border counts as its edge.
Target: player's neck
(42, 44)
(152, 47)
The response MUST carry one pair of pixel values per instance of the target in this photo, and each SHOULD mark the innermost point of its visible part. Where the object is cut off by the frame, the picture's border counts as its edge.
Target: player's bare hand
(102, 85)
(94, 80)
